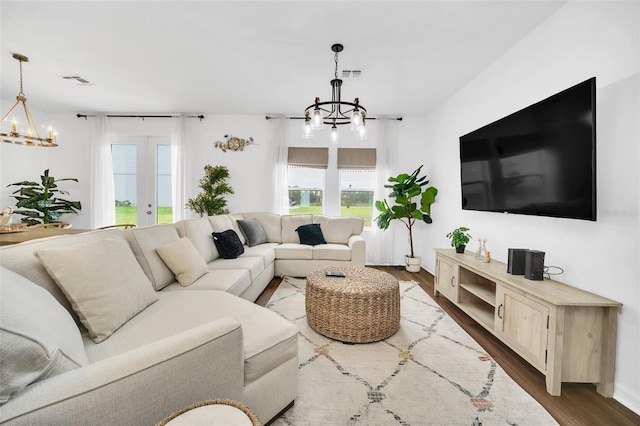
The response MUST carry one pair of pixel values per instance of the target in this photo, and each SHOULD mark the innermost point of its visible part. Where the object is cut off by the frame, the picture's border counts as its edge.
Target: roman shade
(316, 158)
(356, 158)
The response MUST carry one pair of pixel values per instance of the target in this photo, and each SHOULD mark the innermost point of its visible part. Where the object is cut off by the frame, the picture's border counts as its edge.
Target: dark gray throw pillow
(311, 234)
(253, 231)
(228, 244)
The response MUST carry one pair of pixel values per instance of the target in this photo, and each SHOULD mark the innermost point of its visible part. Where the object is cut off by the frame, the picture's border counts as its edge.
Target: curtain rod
(268, 117)
(201, 117)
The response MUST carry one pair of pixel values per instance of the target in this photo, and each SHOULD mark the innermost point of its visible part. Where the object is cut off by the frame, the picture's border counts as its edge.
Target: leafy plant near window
(40, 202)
(214, 186)
(404, 188)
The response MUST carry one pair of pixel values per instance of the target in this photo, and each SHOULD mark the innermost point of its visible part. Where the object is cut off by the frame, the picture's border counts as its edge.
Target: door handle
(499, 307)
(452, 284)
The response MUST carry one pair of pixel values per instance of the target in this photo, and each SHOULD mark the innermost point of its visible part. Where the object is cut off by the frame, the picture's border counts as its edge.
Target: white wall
(581, 40)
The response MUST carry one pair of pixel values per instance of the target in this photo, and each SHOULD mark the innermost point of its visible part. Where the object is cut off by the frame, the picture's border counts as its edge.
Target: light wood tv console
(568, 334)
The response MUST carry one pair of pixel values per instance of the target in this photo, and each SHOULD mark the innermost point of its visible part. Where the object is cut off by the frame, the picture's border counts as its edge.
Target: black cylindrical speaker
(516, 260)
(534, 265)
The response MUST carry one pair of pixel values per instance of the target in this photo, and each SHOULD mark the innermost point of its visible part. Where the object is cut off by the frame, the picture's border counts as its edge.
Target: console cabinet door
(522, 324)
(447, 279)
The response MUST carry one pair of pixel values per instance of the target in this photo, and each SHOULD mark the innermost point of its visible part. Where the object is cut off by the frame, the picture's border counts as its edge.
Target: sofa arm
(357, 245)
(141, 386)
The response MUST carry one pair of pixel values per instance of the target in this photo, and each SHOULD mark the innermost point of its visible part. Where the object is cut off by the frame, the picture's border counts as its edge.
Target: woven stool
(212, 412)
(362, 307)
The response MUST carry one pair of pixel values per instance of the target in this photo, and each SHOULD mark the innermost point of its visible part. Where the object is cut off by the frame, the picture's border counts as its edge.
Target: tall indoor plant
(413, 199)
(40, 202)
(214, 186)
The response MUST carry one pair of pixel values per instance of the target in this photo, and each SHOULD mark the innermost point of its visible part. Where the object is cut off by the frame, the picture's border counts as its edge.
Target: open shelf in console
(477, 297)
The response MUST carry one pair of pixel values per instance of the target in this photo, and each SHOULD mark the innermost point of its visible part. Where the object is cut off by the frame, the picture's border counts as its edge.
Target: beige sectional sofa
(123, 335)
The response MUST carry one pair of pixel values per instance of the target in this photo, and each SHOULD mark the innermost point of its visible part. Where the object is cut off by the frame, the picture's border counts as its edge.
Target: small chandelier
(335, 112)
(28, 135)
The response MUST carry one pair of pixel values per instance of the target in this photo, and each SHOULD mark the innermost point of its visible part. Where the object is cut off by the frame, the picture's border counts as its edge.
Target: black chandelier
(335, 112)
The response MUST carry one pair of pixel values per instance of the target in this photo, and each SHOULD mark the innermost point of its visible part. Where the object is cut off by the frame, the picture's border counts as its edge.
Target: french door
(142, 179)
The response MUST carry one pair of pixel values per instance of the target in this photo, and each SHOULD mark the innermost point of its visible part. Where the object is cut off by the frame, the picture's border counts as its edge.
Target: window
(345, 188)
(357, 169)
(306, 178)
(356, 193)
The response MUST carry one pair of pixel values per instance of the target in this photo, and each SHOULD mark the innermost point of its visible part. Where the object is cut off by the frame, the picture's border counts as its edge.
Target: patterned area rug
(431, 372)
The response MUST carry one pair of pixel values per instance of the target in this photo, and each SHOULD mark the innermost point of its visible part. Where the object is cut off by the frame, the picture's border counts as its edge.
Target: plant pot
(412, 264)
(460, 249)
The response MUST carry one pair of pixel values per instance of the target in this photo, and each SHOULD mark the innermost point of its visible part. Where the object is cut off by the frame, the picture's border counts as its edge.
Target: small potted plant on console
(459, 238)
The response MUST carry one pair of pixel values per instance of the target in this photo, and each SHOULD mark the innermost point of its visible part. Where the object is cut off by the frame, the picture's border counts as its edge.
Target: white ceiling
(253, 57)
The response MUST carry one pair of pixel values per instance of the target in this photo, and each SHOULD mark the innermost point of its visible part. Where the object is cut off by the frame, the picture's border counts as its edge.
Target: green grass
(165, 214)
(362, 211)
(129, 215)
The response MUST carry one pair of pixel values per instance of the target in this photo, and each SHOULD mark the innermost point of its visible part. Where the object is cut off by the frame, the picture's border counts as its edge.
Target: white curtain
(103, 201)
(178, 140)
(280, 192)
(380, 243)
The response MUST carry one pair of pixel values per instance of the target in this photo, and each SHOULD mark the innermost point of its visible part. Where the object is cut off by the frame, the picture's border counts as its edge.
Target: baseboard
(629, 399)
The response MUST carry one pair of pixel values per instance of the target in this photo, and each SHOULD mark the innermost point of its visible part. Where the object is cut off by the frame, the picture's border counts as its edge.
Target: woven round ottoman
(212, 412)
(362, 307)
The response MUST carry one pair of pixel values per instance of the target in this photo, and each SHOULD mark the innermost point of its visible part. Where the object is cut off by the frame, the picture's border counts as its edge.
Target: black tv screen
(540, 160)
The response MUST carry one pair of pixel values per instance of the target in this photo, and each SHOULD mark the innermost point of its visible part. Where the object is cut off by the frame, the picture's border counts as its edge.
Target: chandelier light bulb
(356, 120)
(317, 121)
(334, 135)
(307, 132)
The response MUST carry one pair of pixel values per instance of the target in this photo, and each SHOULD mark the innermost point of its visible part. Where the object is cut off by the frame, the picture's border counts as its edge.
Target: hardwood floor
(579, 403)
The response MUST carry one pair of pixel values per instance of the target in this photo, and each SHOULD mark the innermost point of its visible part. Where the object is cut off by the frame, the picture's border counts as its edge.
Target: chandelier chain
(335, 58)
(21, 93)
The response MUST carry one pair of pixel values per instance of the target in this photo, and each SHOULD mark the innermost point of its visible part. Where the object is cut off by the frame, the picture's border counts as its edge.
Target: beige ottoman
(362, 307)
(213, 412)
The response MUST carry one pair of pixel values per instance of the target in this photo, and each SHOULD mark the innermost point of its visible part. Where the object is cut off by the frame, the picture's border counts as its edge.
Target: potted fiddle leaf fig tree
(412, 203)
(40, 202)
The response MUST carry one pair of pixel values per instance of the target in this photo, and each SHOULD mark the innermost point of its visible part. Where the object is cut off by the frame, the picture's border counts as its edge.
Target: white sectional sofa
(134, 325)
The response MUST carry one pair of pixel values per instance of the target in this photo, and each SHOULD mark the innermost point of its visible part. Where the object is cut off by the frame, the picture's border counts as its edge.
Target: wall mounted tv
(540, 160)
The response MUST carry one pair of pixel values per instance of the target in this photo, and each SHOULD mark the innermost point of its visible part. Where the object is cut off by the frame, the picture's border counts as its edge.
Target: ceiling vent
(78, 80)
(352, 74)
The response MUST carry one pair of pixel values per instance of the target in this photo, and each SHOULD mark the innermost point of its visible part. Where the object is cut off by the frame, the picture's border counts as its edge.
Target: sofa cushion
(253, 232)
(38, 337)
(294, 251)
(199, 232)
(289, 225)
(228, 244)
(338, 229)
(271, 223)
(332, 252)
(184, 260)
(268, 339)
(233, 281)
(102, 280)
(265, 251)
(311, 234)
(254, 265)
(143, 242)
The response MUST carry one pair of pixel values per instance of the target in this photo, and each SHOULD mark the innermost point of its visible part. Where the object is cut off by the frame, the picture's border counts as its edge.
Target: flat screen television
(540, 160)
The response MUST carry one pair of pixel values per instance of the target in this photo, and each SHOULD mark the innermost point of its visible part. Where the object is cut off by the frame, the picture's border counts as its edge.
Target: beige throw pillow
(103, 282)
(38, 337)
(184, 260)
